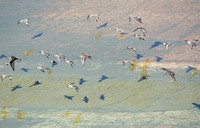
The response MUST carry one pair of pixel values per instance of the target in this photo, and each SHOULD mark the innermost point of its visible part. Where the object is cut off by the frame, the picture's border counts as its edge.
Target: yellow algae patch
(20, 115)
(97, 36)
(121, 37)
(4, 113)
(194, 72)
(77, 119)
(28, 53)
(67, 114)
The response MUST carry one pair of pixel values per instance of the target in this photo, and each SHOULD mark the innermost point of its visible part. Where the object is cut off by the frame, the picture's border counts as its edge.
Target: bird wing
(12, 64)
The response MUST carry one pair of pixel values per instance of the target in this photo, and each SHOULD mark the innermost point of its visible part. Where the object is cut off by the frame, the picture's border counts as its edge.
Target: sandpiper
(143, 30)
(58, 56)
(131, 48)
(69, 61)
(24, 21)
(12, 61)
(138, 36)
(96, 16)
(136, 18)
(84, 57)
(170, 73)
(126, 62)
(167, 44)
(73, 85)
(42, 68)
(5, 76)
(44, 53)
(192, 43)
(121, 31)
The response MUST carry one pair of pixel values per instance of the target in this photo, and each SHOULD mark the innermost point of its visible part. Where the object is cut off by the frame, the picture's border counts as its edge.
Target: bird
(136, 18)
(143, 30)
(133, 65)
(42, 68)
(125, 62)
(69, 61)
(96, 16)
(4, 113)
(170, 73)
(20, 115)
(58, 56)
(138, 36)
(5, 76)
(84, 57)
(44, 53)
(73, 85)
(24, 21)
(192, 43)
(167, 44)
(12, 61)
(131, 48)
(121, 31)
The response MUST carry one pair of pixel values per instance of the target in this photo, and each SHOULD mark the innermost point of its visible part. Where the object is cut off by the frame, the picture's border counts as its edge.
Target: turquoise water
(120, 100)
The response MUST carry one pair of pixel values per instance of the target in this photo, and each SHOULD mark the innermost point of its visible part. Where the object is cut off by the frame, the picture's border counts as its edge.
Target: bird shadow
(25, 69)
(196, 105)
(69, 97)
(85, 99)
(103, 77)
(138, 56)
(82, 81)
(143, 78)
(158, 59)
(156, 44)
(189, 69)
(16, 87)
(36, 83)
(102, 97)
(54, 64)
(3, 56)
(101, 26)
(38, 35)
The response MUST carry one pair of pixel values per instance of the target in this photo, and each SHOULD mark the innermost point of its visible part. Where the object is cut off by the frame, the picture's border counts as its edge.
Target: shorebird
(73, 85)
(121, 31)
(84, 57)
(69, 61)
(167, 44)
(42, 68)
(58, 56)
(96, 16)
(192, 43)
(12, 61)
(125, 62)
(44, 53)
(170, 73)
(136, 18)
(138, 36)
(143, 30)
(131, 48)
(24, 21)
(5, 76)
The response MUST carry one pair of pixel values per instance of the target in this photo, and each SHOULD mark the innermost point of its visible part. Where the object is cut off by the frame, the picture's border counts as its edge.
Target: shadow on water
(189, 69)
(69, 97)
(16, 87)
(85, 99)
(196, 105)
(3, 56)
(25, 69)
(102, 97)
(158, 59)
(138, 56)
(36, 83)
(156, 44)
(82, 81)
(143, 78)
(103, 77)
(38, 35)
(101, 26)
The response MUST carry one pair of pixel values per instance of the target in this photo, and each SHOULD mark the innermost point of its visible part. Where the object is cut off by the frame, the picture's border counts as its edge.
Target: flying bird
(84, 57)
(59, 56)
(131, 48)
(192, 43)
(12, 62)
(125, 62)
(69, 61)
(170, 73)
(96, 16)
(44, 53)
(140, 37)
(168, 44)
(5, 76)
(73, 85)
(143, 30)
(42, 68)
(121, 31)
(24, 21)
(136, 18)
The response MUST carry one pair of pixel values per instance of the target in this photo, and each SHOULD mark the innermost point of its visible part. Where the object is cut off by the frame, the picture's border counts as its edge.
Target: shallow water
(110, 95)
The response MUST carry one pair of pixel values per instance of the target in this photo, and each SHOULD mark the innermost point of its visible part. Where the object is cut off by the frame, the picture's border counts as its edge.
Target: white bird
(192, 43)
(136, 18)
(73, 85)
(170, 73)
(167, 44)
(96, 16)
(138, 36)
(58, 56)
(44, 53)
(84, 57)
(24, 21)
(5, 76)
(121, 31)
(69, 61)
(131, 48)
(42, 68)
(143, 30)
(126, 62)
